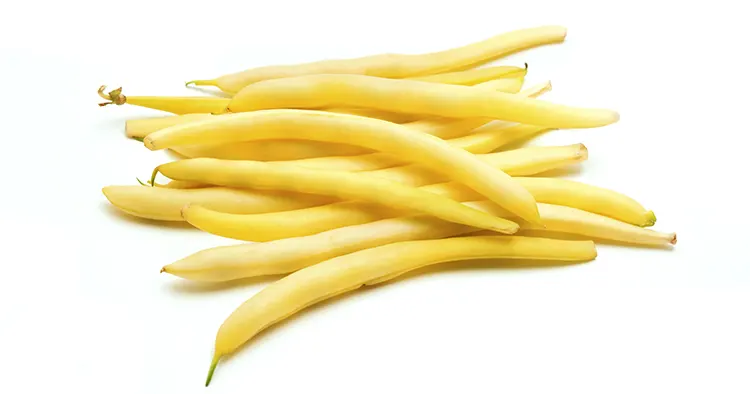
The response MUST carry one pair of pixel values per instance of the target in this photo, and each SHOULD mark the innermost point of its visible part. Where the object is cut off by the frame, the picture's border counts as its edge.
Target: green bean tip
(211, 370)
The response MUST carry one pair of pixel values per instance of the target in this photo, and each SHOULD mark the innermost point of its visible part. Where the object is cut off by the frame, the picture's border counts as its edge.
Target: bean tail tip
(211, 370)
(673, 241)
(650, 219)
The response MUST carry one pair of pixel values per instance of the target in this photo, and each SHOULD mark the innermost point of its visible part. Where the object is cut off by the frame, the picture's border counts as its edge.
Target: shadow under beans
(443, 268)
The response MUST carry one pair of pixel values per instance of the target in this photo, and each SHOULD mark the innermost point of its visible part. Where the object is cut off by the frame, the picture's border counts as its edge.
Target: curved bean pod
(413, 97)
(599, 200)
(342, 274)
(400, 65)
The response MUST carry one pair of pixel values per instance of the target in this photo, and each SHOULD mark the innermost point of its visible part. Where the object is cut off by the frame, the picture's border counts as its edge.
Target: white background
(82, 305)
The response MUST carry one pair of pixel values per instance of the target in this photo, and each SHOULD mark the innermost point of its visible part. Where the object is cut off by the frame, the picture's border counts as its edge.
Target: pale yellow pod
(413, 97)
(286, 255)
(161, 203)
(564, 219)
(599, 200)
(400, 65)
(344, 185)
(278, 225)
(379, 135)
(338, 275)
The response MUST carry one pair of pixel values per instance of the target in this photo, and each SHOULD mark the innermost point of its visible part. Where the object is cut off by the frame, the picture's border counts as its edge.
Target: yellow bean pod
(342, 274)
(344, 185)
(569, 220)
(413, 97)
(599, 200)
(399, 65)
(379, 135)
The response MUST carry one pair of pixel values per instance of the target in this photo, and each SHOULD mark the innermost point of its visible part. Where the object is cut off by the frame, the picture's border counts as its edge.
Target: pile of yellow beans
(350, 172)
